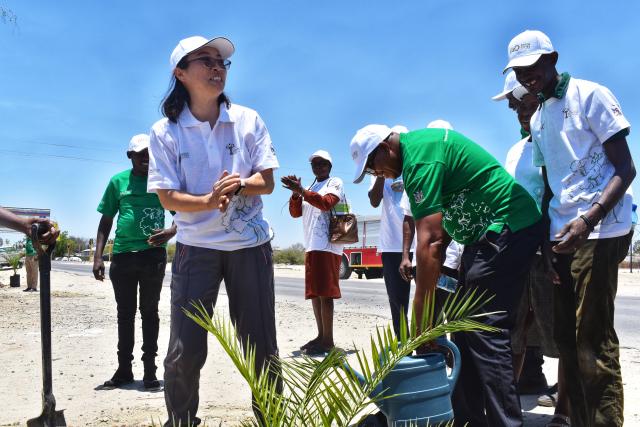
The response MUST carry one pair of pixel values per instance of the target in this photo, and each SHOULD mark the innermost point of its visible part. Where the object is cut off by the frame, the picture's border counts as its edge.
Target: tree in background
(7, 16)
(65, 245)
(293, 255)
(171, 251)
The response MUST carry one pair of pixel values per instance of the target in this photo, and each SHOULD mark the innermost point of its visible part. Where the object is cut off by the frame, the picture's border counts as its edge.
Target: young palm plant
(326, 392)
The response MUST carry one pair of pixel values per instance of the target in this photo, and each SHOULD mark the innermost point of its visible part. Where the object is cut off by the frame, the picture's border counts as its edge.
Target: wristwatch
(240, 189)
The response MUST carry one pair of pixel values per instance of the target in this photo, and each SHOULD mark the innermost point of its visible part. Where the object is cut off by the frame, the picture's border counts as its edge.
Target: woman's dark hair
(177, 96)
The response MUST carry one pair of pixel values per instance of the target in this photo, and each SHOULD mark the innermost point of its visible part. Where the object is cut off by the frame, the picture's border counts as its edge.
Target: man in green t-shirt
(458, 190)
(139, 258)
(31, 265)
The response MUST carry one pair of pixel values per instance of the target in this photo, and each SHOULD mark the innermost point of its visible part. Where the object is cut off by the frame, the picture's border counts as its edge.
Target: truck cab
(363, 257)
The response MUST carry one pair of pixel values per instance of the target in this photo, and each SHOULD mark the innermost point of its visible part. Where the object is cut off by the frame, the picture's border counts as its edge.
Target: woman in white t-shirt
(210, 161)
(322, 258)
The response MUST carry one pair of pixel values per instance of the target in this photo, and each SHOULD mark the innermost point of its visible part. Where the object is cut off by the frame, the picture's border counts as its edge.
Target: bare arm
(408, 231)
(259, 183)
(617, 151)
(375, 194)
(104, 228)
(161, 236)
(576, 232)
(10, 220)
(430, 245)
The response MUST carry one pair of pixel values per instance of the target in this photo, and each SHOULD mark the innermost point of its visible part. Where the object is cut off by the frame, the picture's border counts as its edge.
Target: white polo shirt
(391, 218)
(189, 156)
(568, 134)
(520, 165)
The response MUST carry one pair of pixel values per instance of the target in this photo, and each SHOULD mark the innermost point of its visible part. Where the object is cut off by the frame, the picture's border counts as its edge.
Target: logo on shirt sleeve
(615, 110)
(418, 196)
(273, 149)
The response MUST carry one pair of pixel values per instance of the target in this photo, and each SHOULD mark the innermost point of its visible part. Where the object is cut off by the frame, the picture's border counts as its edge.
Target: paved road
(368, 292)
(372, 292)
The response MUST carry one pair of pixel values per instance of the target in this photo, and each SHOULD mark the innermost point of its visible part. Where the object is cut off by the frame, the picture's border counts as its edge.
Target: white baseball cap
(363, 143)
(321, 154)
(510, 83)
(190, 44)
(139, 142)
(399, 129)
(519, 92)
(527, 47)
(439, 124)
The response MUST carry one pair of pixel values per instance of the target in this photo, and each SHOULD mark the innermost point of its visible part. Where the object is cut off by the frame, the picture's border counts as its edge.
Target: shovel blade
(55, 419)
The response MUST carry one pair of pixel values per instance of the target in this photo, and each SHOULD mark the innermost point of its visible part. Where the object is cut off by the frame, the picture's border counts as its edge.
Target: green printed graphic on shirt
(29, 250)
(446, 172)
(139, 212)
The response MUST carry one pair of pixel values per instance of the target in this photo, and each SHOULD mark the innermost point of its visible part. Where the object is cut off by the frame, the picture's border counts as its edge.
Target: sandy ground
(85, 337)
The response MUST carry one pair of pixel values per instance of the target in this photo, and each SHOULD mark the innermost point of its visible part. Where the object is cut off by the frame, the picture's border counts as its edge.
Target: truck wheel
(373, 273)
(345, 270)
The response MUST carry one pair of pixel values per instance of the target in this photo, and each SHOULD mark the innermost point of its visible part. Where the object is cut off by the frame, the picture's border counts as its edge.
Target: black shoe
(532, 385)
(118, 380)
(150, 382)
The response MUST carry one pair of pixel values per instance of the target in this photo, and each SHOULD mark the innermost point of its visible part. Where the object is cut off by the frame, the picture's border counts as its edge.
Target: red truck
(363, 257)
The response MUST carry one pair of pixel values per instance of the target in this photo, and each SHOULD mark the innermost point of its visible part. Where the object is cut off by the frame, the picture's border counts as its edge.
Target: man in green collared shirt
(139, 259)
(579, 136)
(458, 190)
(31, 265)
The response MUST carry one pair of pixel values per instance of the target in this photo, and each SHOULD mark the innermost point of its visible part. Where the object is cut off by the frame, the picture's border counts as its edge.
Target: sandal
(316, 350)
(559, 420)
(311, 343)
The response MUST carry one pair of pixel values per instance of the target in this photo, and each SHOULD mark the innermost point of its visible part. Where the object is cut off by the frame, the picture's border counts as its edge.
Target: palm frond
(327, 392)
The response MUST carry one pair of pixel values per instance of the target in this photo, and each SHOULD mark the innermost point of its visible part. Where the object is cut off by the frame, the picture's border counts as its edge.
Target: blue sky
(78, 79)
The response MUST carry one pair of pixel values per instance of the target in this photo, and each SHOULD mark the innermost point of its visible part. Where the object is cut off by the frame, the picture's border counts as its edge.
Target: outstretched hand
(293, 183)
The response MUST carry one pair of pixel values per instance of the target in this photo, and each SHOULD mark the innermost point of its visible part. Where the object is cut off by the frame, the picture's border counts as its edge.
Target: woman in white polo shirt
(210, 161)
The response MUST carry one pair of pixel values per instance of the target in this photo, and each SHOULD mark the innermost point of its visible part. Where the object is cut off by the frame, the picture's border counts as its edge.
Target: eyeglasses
(368, 167)
(212, 63)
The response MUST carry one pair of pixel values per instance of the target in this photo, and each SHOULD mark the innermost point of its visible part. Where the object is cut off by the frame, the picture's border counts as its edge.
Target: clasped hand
(223, 190)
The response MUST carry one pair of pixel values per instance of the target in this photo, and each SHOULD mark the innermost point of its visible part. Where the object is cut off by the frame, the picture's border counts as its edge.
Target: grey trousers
(196, 276)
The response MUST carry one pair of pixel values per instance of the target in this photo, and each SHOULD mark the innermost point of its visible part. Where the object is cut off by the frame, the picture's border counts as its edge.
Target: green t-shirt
(29, 250)
(446, 172)
(139, 212)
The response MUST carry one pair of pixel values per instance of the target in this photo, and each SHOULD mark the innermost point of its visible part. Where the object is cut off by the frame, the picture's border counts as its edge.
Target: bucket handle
(455, 371)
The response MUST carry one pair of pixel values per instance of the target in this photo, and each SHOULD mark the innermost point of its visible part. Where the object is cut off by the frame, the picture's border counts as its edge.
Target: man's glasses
(212, 63)
(368, 167)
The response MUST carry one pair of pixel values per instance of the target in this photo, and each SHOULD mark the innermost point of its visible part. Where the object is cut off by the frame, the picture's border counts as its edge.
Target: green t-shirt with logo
(446, 172)
(139, 212)
(29, 250)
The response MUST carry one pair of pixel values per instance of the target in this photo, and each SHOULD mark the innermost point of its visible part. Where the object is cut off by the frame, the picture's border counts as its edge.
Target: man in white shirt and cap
(579, 139)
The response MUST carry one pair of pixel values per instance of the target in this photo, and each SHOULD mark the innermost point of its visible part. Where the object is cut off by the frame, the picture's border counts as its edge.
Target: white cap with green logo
(526, 48)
